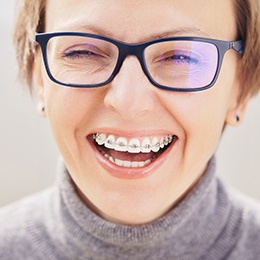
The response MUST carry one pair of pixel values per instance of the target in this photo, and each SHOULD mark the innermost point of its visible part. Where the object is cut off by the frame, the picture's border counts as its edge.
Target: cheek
(63, 109)
(204, 122)
(207, 111)
(68, 105)
(200, 117)
(69, 112)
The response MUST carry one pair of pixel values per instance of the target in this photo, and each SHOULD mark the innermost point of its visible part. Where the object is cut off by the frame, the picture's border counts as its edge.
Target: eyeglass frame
(137, 50)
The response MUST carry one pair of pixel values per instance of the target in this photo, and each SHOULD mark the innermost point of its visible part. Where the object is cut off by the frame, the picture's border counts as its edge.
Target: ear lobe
(236, 115)
(38, 86)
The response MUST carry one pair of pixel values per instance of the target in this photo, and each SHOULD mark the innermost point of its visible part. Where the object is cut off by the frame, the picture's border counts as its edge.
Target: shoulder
(21, 223)
(248, 230)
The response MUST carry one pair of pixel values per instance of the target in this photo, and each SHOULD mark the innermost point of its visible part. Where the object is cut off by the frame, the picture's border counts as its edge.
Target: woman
(137, 97)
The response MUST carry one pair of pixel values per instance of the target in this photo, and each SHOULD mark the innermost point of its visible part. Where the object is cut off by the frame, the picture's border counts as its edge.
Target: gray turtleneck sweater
(210, 223)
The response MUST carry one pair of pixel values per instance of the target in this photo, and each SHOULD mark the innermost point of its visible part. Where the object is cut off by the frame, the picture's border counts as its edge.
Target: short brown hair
(31, 19)
(248, 29)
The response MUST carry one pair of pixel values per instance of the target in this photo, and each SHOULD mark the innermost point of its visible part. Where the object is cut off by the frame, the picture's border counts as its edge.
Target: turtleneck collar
(186, 232)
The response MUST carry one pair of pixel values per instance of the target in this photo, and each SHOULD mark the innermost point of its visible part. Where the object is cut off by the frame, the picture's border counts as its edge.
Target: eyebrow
(190, 31)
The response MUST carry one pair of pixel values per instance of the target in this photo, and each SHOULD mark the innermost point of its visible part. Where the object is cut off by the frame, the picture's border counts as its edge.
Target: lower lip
(130, 173)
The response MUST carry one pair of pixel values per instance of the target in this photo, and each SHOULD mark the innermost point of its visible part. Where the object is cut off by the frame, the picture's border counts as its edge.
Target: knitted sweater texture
(210, 223)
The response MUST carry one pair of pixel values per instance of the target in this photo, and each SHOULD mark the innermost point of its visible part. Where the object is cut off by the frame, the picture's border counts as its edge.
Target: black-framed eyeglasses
(84, 60)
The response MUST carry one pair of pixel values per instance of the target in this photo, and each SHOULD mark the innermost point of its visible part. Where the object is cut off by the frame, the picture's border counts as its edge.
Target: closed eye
(81, 54)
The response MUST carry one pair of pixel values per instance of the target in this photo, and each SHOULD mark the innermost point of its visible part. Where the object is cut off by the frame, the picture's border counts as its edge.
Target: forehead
(137, 20)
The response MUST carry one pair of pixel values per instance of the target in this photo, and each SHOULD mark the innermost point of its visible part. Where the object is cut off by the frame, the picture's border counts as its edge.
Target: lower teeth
(134, 164)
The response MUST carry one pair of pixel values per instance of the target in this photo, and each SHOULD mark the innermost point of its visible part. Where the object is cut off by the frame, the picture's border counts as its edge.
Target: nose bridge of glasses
(126, 50)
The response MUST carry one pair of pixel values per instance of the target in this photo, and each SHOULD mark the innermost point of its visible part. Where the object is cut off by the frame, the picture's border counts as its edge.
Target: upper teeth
(133, 145)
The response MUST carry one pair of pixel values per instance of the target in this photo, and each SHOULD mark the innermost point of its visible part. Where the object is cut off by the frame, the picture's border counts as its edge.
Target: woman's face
(131, 108)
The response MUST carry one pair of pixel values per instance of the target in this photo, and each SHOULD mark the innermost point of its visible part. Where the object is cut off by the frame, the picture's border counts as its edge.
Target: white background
(28, 154)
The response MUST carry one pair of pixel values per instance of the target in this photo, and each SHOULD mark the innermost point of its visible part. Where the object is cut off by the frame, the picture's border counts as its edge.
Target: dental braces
(167, 140)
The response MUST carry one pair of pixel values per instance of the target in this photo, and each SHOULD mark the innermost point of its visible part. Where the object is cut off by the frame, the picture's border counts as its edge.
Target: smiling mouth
(133, 152)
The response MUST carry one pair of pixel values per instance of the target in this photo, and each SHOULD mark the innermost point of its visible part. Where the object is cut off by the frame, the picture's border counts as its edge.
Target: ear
(236, 114)
(37, 84)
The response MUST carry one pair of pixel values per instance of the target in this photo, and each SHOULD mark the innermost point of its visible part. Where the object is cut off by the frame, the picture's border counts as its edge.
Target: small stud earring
(237, 118)
(43, 109)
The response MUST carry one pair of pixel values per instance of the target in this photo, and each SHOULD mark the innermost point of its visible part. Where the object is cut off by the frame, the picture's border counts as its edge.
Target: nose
(130, 93)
